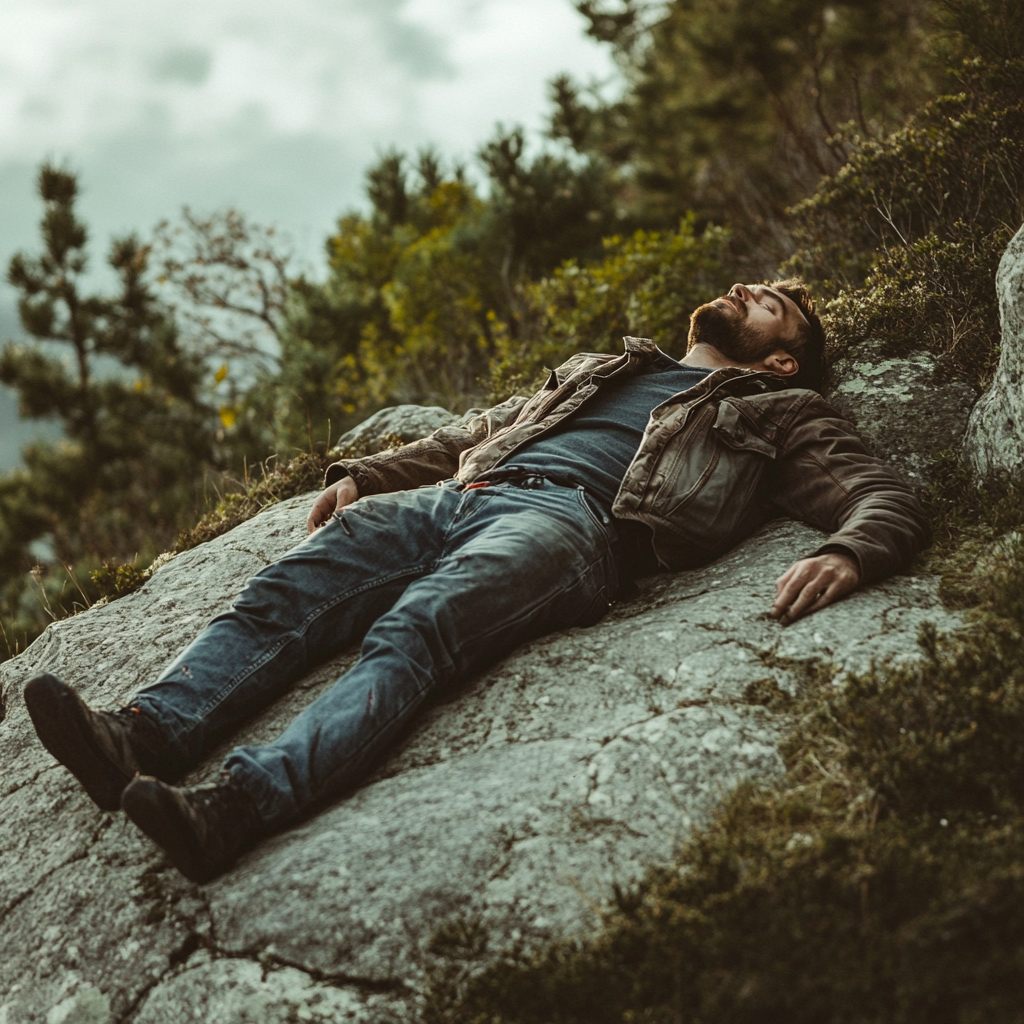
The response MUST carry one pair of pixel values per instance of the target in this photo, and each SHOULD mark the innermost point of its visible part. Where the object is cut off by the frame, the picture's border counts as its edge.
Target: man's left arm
(828, 479)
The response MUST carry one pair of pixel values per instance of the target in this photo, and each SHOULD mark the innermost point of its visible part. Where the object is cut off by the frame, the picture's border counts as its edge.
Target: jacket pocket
(713, 471)
(688, 459)
(739, 434)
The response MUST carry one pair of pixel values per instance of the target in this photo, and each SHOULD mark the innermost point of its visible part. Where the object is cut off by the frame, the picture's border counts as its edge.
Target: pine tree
(736, 110)
(137, 434)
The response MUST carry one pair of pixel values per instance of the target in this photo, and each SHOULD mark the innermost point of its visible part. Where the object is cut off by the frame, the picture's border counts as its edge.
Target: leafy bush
(647, 286)
(907, 236)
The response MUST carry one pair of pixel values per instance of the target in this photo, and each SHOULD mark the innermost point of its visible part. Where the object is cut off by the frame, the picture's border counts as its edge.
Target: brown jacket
(715, 463)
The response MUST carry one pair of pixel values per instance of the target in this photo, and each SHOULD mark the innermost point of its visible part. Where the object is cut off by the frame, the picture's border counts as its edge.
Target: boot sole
(56, 714)
(151, 805)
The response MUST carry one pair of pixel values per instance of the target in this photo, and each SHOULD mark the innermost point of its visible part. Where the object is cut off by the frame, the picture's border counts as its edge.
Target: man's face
(748, 324)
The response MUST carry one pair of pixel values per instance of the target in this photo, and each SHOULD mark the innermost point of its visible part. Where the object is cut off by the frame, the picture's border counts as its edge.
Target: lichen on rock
(902, 411)
(995, 435)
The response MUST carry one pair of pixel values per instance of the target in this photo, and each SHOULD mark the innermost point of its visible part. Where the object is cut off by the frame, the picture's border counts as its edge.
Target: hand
(813, 583)
(332, 499)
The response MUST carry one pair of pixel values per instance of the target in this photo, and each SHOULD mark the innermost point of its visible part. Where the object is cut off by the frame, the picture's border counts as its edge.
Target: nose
(741, 292)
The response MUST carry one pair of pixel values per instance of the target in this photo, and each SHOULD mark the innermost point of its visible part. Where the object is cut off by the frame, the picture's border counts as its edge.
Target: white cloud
(77, 73)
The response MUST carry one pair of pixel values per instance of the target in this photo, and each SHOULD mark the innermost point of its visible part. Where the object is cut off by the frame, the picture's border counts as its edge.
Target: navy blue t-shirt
(596, 444)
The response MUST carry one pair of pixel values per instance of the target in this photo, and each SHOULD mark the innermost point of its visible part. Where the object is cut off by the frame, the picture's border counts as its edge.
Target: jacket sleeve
(426, 461)
(828, 479)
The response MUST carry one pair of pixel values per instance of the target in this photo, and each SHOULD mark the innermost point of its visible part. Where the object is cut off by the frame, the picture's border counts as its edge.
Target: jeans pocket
(596, 514)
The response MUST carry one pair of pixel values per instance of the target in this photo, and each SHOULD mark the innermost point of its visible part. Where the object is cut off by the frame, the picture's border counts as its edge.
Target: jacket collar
(638, 345)
(641, 352)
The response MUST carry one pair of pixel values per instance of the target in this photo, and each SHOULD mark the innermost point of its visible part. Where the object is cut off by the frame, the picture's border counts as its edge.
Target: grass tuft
(278, 482)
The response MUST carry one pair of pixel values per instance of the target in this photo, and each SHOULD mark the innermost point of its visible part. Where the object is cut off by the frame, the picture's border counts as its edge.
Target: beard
(728, 332)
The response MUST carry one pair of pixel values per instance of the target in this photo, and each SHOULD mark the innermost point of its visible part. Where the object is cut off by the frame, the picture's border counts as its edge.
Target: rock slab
(404, 422)
(995, 435)
(505, 816)
(903, 414)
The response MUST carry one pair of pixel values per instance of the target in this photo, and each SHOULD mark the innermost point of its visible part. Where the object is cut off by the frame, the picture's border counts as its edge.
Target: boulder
(995, 435)
(506, 816)
(902, 412)
(405, 422)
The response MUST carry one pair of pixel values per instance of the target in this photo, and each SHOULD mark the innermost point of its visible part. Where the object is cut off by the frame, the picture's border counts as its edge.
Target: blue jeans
(438, 581)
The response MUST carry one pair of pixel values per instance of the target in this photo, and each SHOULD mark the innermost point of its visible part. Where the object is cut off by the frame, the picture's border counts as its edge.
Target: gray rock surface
(995, 435)
(899, 409)
(507, 814)
(407, 422)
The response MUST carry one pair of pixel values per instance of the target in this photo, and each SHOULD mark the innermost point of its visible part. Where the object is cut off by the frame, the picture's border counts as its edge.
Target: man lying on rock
(444, 555)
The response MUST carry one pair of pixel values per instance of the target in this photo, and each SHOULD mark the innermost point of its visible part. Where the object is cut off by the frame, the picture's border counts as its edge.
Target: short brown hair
(808, 349)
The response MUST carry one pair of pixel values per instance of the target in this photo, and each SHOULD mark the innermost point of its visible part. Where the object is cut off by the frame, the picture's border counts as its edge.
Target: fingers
(802, 588)
(322, 509)
(330, 500)
(783, 581)
(811, 597)
(813, 583)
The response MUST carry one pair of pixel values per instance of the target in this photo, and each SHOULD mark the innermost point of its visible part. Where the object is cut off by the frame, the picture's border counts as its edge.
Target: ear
(780, 362)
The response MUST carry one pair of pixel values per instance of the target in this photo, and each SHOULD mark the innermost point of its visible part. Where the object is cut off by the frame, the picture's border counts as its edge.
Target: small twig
(35, 575)
(74, 579)
(860, 108)
(887, 217)
(838, 148)
(821, 768)
(7, 643)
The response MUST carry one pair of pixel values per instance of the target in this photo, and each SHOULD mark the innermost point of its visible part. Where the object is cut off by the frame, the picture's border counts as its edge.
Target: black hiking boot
(201, 828)
(104, 750)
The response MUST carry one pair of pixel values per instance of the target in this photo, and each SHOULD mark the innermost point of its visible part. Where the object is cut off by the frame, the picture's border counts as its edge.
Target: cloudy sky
(273, 106)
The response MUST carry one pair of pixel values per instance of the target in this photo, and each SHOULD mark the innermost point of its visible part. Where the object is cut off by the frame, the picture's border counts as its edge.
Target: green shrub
(113, 580)
(647, 286)
(905, 239)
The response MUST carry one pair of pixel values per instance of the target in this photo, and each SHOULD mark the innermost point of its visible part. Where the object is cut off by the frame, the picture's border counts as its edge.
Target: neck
(707, 356)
